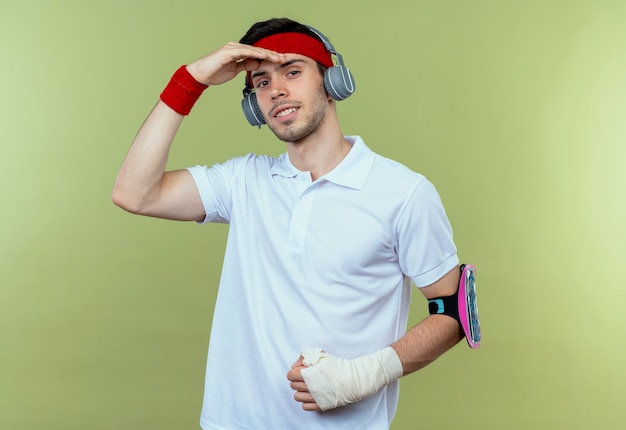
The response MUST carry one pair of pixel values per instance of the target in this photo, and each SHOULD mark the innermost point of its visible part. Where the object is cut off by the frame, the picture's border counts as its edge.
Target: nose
(278, 89)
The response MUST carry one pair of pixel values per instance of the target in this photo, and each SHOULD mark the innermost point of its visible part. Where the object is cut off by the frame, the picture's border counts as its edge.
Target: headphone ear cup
(251, 110)
(339, 82)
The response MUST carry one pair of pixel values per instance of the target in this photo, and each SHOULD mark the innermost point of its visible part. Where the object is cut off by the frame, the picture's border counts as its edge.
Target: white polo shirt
(324, 264)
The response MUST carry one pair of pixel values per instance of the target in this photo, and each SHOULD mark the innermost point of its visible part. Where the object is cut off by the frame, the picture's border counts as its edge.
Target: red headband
(296, 43)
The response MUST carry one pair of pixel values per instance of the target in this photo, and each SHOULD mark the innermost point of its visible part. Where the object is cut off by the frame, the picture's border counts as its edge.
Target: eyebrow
(279, 66)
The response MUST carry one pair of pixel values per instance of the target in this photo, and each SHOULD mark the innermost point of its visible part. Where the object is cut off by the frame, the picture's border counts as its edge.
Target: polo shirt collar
(352, 172)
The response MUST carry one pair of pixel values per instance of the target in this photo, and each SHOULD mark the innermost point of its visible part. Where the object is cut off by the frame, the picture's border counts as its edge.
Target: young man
(324, 243)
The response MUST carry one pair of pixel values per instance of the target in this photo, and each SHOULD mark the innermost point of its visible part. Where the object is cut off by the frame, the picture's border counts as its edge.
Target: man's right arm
(142, 185)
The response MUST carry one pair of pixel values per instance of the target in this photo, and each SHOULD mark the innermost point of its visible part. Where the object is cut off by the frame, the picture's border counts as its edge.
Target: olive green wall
(514, 109)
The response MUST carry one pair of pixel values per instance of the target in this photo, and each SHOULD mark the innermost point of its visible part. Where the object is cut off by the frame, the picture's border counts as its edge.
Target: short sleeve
(426, 248)
(215, 188)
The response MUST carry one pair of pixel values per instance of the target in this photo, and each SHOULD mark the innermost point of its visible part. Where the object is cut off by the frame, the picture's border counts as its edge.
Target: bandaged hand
(334, 381)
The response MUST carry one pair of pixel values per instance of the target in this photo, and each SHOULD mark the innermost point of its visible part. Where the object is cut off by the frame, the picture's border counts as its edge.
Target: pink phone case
(468, 306)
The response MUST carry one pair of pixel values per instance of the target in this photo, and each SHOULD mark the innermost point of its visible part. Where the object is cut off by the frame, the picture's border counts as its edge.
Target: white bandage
(334, 381)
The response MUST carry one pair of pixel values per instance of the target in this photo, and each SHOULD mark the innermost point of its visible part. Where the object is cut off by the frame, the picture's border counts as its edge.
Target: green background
(514, 109)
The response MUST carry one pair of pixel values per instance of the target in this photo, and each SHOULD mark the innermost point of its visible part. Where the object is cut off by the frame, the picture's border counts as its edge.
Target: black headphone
(338, 82)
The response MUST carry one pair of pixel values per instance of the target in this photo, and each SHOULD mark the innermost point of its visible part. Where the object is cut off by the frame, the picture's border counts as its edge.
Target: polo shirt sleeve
(215, 186)
(425, 245)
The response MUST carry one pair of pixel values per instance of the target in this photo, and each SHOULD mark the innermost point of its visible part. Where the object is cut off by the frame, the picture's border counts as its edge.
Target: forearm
(427, 341)
(139, 179)
(323, 381)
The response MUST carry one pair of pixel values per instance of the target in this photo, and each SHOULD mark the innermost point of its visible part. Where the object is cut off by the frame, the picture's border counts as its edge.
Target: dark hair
(272, 26)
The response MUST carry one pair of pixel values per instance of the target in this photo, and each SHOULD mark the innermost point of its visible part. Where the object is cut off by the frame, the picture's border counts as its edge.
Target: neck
(321, 151)
(318, 154)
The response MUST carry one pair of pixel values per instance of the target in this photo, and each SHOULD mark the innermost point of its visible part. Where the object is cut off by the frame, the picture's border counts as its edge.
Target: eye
(293, 73)
(262, 83)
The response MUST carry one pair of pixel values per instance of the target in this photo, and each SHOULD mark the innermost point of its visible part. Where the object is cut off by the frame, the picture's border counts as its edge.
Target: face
(291, 96)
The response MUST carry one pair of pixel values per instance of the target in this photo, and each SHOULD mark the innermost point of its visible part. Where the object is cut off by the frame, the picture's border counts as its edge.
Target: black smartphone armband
(462, 306)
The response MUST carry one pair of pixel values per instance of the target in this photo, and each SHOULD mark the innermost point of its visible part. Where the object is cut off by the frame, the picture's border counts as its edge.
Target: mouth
(285, 113)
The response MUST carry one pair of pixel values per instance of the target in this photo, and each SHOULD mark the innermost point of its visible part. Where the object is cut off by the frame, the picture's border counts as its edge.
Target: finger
(240, 66)
(295, 374)
(308, 402)
(269, 55)
(239, 52)
(299, 386)
(250, 64)
(311, 407)
(303, 397)
(298, 363)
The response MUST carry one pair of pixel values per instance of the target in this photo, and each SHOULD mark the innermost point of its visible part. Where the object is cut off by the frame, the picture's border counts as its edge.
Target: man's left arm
(323, 381)
(434, 335)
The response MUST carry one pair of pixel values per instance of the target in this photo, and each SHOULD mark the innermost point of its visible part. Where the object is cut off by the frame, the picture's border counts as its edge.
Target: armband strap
(462, 306)
(182, 91)
(448, 305)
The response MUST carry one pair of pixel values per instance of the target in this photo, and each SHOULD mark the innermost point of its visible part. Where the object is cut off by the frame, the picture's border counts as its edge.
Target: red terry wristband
(182, 92)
